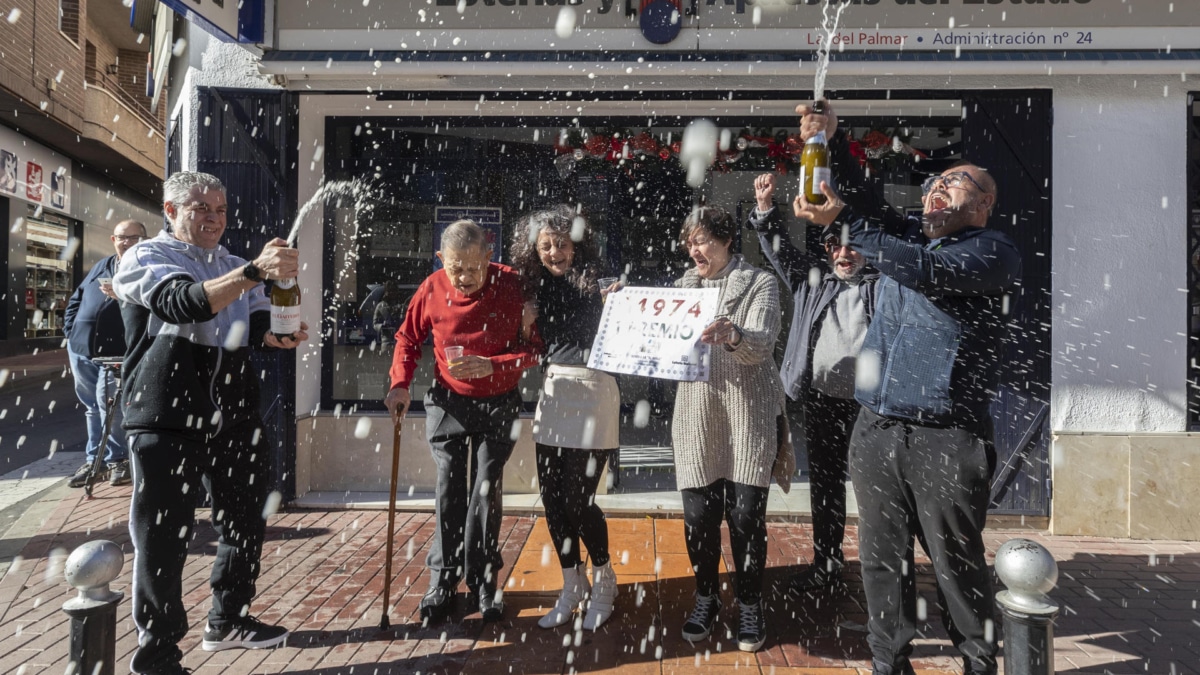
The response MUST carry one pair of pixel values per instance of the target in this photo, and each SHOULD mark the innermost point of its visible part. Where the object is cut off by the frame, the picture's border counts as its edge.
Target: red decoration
(616, 149)
(856, 149)
(644, 144)
(596, 146)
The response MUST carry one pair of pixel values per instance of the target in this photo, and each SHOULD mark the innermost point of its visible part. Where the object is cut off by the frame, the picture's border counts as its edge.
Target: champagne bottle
(814, 168)
(285, 308)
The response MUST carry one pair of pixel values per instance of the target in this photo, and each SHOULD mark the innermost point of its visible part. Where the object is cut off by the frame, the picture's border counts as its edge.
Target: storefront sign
(655, 332)
(487, 217)
(34, 173)
(227, 20)
(744, 25)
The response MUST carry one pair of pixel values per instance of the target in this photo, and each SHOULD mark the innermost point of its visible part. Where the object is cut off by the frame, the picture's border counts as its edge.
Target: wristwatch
(251, 272)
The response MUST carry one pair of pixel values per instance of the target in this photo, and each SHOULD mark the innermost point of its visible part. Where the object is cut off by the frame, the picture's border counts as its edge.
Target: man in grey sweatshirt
(830, 317)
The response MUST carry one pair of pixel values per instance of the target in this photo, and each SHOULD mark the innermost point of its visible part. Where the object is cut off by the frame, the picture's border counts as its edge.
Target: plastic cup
(453, 354)
(605, 283)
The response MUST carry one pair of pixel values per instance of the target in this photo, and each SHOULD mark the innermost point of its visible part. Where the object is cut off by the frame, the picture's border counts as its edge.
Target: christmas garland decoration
(760, 149)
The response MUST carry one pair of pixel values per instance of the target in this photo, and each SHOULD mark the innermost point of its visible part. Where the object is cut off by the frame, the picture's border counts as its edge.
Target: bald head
(126, 234)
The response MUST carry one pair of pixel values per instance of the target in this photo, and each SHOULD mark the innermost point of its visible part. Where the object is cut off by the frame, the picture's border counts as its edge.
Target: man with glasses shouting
(921, 453)
(829, 322)
(93, 326)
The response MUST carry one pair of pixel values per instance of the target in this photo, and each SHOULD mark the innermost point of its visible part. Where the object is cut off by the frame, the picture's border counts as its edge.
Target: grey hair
(177, 187)
(464, 235)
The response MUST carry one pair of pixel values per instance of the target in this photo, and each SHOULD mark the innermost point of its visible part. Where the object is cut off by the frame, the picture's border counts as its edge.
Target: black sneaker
(118, 473)
(819, 575)
(81, 475)
(170, 668)
(243, 633)
(436, 605)
(704, 616)
(752, 627)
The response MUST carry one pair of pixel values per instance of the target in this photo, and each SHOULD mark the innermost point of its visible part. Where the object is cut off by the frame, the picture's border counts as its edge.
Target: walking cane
(109, 365)
(384, 624)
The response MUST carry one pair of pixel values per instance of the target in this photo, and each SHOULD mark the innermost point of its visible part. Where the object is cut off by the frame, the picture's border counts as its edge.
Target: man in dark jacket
(93, 326)
(191, 401)
(829, 322)
(922, 453)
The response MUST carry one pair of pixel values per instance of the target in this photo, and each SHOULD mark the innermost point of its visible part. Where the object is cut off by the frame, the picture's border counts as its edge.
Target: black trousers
(167, 473)
(828, 422)
(934, 484)
(744, 508)
(469, 508)
(569, 478)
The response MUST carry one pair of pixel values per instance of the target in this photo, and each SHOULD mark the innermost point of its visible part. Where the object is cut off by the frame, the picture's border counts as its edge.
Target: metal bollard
(1029, 572)
(90, 568)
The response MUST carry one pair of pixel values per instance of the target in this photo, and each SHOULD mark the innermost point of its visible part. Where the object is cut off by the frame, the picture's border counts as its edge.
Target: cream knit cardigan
(725, 428)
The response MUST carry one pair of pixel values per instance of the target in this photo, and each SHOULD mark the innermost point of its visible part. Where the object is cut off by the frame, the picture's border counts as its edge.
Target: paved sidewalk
(1129, 606)
(23, 371)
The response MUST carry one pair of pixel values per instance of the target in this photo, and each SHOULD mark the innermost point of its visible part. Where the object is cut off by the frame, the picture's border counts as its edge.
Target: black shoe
(437, 605)
(819, 575)
(490, 607)
(118, 473)
(170, 668)
(243, 633)
(752, 627)
(904, 667)
(81, 475)
(704, 616)
(979, 667)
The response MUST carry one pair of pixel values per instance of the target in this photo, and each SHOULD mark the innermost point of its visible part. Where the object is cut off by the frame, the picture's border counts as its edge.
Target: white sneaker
(575, 589)
(604, 596)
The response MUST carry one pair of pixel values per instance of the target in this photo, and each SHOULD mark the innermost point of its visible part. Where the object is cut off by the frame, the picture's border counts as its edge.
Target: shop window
(48, 275)
(624, 174)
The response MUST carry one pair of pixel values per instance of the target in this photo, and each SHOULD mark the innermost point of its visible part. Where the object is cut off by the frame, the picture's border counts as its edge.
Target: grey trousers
(932, 483)
(477, 431)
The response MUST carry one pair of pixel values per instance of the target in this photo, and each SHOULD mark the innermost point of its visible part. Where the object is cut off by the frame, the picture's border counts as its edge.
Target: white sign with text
(655, 332)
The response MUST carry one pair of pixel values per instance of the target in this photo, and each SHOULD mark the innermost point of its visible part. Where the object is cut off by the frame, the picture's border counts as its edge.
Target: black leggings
(744, 507)
(569, 497)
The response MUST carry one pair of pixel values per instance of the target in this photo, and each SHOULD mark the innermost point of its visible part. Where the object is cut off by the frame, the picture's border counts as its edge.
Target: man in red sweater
(472, 407)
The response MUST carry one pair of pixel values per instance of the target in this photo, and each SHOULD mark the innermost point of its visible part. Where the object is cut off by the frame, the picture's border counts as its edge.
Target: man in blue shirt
(93, 326)
(922, 453)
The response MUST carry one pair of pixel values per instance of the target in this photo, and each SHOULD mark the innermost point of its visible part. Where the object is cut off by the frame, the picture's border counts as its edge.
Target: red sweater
(485, 323)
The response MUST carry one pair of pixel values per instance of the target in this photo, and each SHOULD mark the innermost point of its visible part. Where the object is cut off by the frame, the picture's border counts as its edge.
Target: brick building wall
(34, 50)
(105, 50)
(131, 75)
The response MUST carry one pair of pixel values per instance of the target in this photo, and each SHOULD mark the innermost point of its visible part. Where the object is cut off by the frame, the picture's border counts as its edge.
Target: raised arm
(853, 185)
(975, 265)
(860, 192)
(766, 220)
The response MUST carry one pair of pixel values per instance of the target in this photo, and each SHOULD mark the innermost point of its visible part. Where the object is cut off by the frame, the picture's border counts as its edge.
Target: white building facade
(1082, 109)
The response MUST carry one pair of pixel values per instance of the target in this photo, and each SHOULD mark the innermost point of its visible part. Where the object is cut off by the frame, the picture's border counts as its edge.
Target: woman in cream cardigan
(724, 430)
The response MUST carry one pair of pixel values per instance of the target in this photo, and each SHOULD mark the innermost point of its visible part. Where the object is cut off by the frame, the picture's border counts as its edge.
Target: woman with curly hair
(576, 424)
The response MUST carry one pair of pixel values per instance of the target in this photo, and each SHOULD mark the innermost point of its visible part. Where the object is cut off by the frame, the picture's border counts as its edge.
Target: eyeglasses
(951, 180)
(135, 238)
(833, 244)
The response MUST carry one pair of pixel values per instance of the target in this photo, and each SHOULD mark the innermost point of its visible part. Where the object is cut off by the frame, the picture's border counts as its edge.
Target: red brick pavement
(1128, 606)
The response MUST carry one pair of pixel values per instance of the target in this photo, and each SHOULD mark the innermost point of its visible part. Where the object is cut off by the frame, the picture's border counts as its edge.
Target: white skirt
(578, 408)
